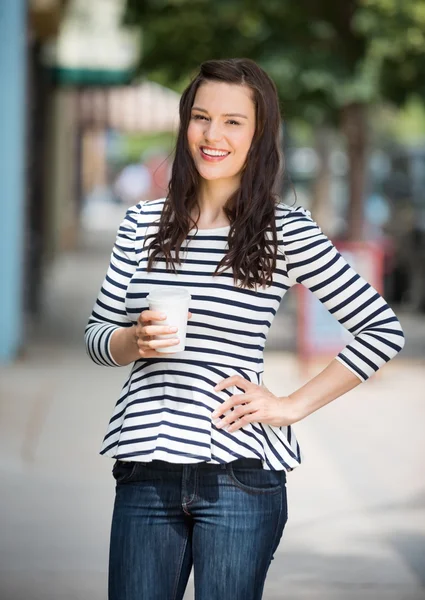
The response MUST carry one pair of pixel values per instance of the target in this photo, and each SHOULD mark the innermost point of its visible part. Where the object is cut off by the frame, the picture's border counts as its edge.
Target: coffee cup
(174, 303)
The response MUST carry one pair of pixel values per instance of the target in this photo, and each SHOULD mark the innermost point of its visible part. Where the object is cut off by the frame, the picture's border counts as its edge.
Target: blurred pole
(354, 126)
(79, 151)
(13, 40)
(322, 184)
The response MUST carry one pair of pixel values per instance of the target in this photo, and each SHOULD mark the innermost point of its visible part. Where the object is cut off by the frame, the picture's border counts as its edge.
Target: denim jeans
(225, 521)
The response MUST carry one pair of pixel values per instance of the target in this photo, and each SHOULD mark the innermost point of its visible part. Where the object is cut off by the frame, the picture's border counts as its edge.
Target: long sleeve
(109, 311)
(313, 261)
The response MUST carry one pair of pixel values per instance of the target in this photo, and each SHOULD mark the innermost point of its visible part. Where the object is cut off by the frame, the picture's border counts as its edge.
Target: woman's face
(221, 129)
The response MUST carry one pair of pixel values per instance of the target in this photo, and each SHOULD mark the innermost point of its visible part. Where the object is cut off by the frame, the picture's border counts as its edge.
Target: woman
(202, 448)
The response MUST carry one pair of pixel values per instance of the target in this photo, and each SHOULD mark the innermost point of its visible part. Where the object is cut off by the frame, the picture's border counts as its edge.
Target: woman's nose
(213, 132)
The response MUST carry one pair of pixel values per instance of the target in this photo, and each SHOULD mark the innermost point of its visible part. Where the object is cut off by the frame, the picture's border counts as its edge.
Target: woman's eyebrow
(225, 115)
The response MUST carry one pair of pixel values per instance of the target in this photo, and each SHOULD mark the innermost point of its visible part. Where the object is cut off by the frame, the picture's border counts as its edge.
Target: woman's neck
(212, 198)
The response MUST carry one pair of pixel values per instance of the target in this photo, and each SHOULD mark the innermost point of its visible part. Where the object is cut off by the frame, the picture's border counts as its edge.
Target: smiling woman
(202, 447)
(219, 136)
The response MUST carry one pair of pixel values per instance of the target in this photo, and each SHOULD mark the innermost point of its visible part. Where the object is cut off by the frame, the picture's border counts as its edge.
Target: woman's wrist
(331, 383)
(123, 345)
(293, 410)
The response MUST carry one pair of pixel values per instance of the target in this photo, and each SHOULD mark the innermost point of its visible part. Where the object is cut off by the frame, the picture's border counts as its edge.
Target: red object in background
(319, 335)
(160, 170)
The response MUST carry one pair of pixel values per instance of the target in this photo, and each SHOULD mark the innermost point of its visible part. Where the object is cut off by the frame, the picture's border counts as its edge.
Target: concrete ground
(357, 505)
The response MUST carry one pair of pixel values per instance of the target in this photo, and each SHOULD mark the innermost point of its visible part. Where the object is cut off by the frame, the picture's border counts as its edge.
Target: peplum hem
(164, 413)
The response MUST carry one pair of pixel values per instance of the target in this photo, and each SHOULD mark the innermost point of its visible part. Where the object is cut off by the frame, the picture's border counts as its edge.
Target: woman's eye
(204, 118)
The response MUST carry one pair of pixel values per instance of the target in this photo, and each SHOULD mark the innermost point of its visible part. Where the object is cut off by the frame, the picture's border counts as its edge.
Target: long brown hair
(252, 238)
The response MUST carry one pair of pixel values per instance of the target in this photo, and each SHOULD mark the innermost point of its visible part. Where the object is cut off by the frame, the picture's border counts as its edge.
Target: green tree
(330, 60)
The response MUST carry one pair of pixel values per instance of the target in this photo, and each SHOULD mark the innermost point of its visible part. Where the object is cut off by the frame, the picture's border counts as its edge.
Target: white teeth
(214, 152)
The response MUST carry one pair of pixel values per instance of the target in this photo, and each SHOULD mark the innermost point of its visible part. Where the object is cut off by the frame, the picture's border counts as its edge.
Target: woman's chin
(209, 175)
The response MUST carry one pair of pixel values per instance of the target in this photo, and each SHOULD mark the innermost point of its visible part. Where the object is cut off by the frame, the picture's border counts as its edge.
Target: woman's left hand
(257, 404)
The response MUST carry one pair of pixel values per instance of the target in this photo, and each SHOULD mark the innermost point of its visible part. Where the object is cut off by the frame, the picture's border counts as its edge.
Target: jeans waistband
(241, 463)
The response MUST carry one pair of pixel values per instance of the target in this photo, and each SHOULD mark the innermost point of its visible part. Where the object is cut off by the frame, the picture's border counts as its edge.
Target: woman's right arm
(110, 334)
(123, 346)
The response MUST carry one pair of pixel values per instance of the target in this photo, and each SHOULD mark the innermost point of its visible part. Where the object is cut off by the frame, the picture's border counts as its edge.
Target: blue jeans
(224, 520)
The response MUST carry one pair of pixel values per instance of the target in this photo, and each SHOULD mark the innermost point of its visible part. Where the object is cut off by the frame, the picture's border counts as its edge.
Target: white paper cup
(173, 302)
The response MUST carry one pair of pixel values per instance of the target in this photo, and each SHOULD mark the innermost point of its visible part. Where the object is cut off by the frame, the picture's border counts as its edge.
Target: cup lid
(163, 293)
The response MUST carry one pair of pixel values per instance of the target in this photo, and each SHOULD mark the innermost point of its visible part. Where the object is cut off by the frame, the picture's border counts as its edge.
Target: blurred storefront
(24, 109)
(107, 114)
(50, 50)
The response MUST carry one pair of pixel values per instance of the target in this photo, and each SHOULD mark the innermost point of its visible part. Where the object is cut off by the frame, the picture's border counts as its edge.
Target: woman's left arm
(313, 261)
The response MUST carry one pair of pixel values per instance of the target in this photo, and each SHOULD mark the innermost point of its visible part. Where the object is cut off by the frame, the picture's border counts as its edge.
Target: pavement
(356, 526)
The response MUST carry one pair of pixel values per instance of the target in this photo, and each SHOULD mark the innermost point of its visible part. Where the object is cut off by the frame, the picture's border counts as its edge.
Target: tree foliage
(396, 33)
(330, 59)
(322, 55)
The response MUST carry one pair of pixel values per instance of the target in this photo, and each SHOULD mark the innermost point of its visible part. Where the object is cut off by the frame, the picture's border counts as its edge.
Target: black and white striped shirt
(164, 410)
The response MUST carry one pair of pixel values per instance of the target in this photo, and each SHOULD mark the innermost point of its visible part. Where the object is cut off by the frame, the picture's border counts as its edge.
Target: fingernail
(220, 425)
(214, 414)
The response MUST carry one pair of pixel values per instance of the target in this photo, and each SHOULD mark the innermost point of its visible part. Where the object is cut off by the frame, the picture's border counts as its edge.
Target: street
(356, 526)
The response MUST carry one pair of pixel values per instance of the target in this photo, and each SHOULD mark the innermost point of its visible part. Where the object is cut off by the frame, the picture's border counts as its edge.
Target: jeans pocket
(123, 471)
(257, 480)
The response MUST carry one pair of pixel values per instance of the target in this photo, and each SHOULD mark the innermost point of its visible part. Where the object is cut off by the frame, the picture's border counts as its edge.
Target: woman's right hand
(145, 333)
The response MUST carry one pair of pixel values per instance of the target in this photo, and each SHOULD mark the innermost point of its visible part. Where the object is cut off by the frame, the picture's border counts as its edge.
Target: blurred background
(88, 115)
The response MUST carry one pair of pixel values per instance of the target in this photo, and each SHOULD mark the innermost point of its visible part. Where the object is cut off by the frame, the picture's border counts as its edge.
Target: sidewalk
(357, 505)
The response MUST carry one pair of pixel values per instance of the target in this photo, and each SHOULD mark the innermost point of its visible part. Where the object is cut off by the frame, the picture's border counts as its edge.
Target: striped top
(164, 410)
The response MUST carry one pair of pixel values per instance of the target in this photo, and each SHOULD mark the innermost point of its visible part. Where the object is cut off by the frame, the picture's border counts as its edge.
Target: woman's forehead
(224, 98)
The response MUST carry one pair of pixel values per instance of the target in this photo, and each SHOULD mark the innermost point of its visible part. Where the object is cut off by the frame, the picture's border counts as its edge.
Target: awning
(148, 108)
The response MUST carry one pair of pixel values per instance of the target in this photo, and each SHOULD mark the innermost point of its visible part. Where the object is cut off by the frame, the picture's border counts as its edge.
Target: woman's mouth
(213, 155)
